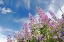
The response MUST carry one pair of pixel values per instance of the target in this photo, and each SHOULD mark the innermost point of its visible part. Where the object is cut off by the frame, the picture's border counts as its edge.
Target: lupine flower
(51, 24)
(31, 18)
(44, 18)
(40, 11)
(41, 37)
(55, 37)
(15, 35)
(26, 32)
(53, 16)
(19, 35)
(36, 38)
(9, 38)
(56, 29)
(51, 31)
(25, 26)
(59, 35)
(62, 33)
(30, 26)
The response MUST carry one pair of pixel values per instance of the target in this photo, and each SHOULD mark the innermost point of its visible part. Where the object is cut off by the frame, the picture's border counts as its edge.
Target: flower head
(9, 38)
(54, 37)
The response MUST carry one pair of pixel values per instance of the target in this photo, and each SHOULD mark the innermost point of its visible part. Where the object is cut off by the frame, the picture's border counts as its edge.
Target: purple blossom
(51, 31)
(59, 35)
(31, 18)
(36, 38)
(19, 35)
(52, 23)
(56, 29)
(54, 37)
(39, 25)
(40, 11)
(16, 35)
(53, 15)
(25, 26)
(9, 38)
(62, 33)
(41, 37)
(30, 26)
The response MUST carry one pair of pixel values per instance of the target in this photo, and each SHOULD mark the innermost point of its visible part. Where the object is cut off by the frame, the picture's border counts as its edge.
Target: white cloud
(59, 13)
(2, 29)
(1, 2)
(47, 13)
(40, 1)
(3, 37)
(4, 10)
(9, 30)
(52, 6)
(55, 8)
(22, 20)
(27, 3)
(23, 3)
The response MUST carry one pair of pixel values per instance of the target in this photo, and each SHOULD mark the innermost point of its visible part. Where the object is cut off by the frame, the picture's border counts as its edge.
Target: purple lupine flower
(15, 35)
(51, 31)
(19, 35)
(49, 25)
(53, 16)
(59, 35)
(30, 25)
(41, 37)
(9, 38)
(61, 21)
(25, 26)
(52, 23)
(36, 39)
(40, 11)
(44, 18)
(62, 33)
(26, 32)
(56, 29)
(31, 18)
(54, 37)
(39, 25)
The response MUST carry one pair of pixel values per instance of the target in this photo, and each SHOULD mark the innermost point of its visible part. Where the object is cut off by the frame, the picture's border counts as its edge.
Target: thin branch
(61, 9)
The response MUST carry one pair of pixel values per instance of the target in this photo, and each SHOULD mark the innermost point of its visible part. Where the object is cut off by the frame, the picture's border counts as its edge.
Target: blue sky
(13, 13)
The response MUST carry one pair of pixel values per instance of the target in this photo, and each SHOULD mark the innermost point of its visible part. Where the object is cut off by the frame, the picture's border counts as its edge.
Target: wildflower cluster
(42, 30)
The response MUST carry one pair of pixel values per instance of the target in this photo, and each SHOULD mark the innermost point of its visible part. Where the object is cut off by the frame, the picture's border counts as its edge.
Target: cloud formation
(23, 3)
(1, 2)
(54, 7)
(3, 38)
(4, 10)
